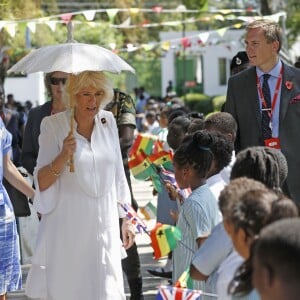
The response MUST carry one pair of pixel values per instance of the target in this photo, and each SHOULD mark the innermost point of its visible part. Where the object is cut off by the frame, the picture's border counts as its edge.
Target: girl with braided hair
(261, 163)
(199, 212)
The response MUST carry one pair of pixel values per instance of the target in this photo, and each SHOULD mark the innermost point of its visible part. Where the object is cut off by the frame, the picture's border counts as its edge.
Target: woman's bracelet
(56, 174)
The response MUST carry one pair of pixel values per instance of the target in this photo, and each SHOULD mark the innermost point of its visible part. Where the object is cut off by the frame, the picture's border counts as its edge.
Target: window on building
(222, 71)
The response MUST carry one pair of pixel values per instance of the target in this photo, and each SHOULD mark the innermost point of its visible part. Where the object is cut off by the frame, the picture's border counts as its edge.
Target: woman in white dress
(79, 251)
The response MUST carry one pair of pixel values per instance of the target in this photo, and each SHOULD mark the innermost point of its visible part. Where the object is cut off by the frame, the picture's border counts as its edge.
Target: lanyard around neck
(275, 96)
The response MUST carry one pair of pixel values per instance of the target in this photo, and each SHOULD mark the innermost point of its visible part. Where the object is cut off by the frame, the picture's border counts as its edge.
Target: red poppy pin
(289, 84)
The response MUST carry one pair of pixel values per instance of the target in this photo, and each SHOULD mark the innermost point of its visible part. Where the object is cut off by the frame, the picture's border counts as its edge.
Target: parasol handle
(71, 164)
(71, 159)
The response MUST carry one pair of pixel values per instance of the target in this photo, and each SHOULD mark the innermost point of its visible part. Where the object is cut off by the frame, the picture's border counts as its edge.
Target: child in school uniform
(199, 212)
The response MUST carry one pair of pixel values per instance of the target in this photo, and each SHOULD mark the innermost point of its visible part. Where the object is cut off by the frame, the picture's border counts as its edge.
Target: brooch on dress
(103, 120)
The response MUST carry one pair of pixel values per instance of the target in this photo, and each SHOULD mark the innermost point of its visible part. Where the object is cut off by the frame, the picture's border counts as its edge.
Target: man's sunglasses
(57, 81)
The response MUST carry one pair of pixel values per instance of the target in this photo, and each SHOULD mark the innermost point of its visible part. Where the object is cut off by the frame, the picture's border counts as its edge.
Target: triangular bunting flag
(11, 29)
(32, 26)
(89, 15)
(157, 9)
(66, 18)
(111, 13)
(222, 31)
(51, 24)
(185, 42)
(166, 45)
(203, 36)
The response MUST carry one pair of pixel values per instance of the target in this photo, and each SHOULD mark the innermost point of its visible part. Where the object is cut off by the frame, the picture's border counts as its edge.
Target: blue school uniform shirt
(198, 215)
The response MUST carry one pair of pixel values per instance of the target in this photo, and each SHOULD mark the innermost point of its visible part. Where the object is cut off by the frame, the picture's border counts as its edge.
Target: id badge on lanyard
(272, 143)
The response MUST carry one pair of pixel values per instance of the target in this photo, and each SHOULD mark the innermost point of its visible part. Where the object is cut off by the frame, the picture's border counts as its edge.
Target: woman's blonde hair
(86, 79)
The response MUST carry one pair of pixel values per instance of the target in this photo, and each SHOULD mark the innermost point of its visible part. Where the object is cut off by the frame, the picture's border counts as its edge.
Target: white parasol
(71, 57)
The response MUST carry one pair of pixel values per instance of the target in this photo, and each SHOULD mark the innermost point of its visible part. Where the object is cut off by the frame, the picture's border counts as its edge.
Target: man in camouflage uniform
(123, 108)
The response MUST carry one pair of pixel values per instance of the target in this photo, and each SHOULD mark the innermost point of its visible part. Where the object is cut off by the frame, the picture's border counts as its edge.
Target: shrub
(217, 102)
(198, 102)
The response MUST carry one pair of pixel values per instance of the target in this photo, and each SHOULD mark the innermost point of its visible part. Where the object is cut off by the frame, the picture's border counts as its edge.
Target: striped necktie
(266, 112)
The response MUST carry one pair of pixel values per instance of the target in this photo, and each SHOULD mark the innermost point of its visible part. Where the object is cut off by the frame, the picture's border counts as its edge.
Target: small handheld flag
(140, 166)
(162, 158)
(142, 142)
(176, 293)
(164, 239)
(185, 280)
(149, 211)
(132, 216)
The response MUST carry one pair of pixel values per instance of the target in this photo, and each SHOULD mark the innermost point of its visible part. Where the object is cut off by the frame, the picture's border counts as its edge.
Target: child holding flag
(199, 212)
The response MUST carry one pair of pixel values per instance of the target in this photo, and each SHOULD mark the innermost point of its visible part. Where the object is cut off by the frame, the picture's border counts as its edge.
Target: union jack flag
(176, 293)
(169, 176)
(134, 218)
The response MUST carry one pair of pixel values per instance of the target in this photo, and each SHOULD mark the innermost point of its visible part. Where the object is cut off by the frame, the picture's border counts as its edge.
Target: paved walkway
(143, 193)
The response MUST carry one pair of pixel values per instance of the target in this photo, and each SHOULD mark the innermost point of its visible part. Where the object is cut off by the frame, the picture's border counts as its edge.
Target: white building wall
(215, 47)
(211, 76)
(168, 71)
(30, 87)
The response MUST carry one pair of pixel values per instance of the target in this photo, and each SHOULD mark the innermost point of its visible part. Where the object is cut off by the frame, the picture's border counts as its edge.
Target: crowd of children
(231, 200)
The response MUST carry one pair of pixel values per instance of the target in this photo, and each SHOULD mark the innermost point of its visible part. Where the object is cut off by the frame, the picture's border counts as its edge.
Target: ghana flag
(140, 166)
(164, 239)
(162, 158)
(185, 280)
(158, 146)
(142, 142)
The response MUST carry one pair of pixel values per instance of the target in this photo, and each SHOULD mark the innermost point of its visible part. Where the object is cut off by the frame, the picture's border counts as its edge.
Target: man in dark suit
(267, 107)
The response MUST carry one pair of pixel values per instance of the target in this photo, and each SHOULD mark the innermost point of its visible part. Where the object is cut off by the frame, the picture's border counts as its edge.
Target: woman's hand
(48, 174)
(128, 233)
(69, 146)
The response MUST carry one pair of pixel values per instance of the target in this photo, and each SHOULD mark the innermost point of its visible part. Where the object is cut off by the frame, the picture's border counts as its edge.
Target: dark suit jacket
(30, 146)
(243, 103)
